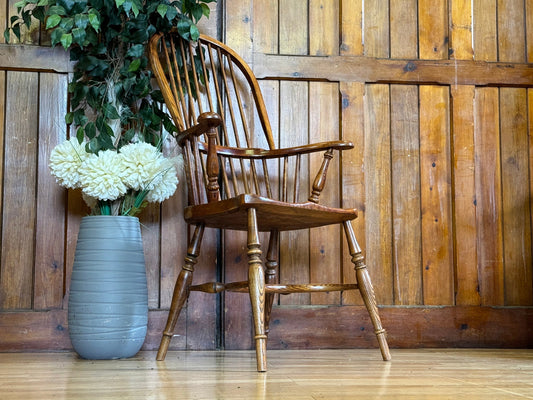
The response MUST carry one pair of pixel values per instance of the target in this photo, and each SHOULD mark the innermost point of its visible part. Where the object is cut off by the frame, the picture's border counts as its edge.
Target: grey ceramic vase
(108, 301)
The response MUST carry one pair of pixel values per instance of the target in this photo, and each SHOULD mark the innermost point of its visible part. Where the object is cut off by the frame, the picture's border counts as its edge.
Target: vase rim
(107, 216)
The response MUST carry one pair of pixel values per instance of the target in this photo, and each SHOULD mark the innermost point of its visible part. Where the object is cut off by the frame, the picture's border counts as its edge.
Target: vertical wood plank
(403, 29)
(351, 27)
(2, 142)
(376, 28)
(464, 165)
(511, 31)
(323, 27)
(435, 180)
(265, 34)
(529, 30)
(237, 311)
(18, 230)
(433, 29)
(52, 200)
(324, 242)
(518, 263)
(378, 215)
(353, 176)
(294, 131)
(405, 153)
(293, 38)
(461, 30)
(488, 196)
(485, 30)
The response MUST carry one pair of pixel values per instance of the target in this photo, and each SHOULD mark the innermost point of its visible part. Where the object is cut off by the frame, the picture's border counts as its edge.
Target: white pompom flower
(166, 184)
(143, 165)
(65, 162)
(102, 176)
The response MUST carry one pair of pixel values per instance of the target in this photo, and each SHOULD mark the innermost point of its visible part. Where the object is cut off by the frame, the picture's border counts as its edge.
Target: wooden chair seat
(271, 214)
(238, 180)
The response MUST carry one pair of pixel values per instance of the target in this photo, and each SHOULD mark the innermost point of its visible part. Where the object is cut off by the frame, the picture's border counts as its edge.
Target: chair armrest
(254, 153)
(206, 121)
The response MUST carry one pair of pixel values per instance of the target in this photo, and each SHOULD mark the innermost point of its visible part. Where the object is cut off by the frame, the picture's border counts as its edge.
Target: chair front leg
(366, 289)
(271, 273)
(181, 290)
(256, 281)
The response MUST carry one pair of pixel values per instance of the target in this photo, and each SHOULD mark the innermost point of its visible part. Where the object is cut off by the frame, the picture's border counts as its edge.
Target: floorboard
(318, 374)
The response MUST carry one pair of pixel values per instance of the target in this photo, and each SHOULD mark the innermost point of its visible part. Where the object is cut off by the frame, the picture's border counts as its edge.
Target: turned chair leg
(181, 291)
(256, 282)
(366, 289)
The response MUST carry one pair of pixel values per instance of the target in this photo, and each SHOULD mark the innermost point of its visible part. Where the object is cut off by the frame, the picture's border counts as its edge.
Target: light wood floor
(320, 374)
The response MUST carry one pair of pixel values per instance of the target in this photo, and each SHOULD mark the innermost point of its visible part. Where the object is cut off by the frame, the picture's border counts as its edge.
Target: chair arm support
(206, 122)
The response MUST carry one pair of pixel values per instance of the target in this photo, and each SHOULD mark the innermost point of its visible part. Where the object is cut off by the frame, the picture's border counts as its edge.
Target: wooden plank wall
(437, 98)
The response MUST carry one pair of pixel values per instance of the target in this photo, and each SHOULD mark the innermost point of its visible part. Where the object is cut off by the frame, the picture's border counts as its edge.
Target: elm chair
(238, 180)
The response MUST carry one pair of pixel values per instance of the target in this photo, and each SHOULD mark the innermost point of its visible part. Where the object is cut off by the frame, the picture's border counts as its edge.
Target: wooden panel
(488, 196)
(405, 166)
(433, 29)
(323, 27)
(435, 180)
(19, 191)
(324, 242)
(403, 29)
(464, 165)
(511, 31)
(485, 30)
(293, 38)
(351, 27)
(376, 28)
(49, 254)
(378, 210)
(407, 327)
(353, 176)
(529, 30)
(461, 30)
(518, 263)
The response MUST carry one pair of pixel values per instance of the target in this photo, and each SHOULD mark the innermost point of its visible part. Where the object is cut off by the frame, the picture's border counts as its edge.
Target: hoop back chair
(238, 180)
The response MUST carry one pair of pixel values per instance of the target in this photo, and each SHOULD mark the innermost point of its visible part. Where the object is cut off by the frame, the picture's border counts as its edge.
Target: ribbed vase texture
(108, 301)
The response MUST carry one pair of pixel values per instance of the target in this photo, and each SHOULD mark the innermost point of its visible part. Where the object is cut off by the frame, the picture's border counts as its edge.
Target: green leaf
(94, 19)
(56, 10)
(6, 35)
(162, 9)
(52, 21)
(118, 3)
(81, 20)
(66, 40)
(110, 111)
(69, 118)
(56, 35)
(42, 3)
(78, 36)
(135, 51)
(80, 134)
(67, 23)
(195, 33)
(90, 130)
(206, 10)
(134, 66)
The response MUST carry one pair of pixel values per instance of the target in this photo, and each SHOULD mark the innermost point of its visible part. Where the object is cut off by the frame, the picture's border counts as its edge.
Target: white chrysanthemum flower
(144, 164)
(65, 161)
(102, 176)
(166, 184)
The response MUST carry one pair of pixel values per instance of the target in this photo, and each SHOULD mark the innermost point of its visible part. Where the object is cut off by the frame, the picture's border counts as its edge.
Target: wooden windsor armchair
(238, 180)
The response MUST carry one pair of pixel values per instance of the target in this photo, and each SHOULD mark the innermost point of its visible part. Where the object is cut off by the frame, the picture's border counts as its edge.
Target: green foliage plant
(112, 100)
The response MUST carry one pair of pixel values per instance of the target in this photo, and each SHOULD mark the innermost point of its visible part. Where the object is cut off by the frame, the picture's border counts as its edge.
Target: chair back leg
(181, 290)
(271, 273)
(366, 289)
(256, 281)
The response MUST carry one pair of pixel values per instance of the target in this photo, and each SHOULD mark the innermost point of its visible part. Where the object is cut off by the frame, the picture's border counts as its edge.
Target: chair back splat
(238, 180)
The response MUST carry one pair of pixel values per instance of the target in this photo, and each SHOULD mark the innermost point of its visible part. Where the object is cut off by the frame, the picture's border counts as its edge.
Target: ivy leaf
(162, 10)
(135, 51)
(195, 33)
(66, 40)
(94, 19)
(78, 36)
(56, 10)
(53, 21)
(90, 130)
(69, 118)
(81, 20)
(56, 35)
(134, 66)
(80, 134)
